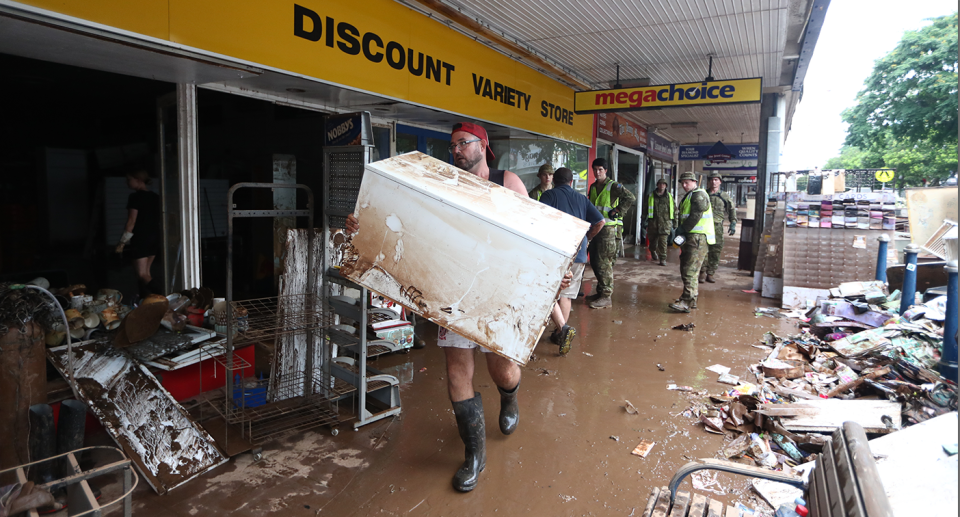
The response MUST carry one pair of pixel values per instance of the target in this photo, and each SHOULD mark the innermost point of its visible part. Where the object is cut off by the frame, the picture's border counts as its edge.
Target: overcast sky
(855, 34)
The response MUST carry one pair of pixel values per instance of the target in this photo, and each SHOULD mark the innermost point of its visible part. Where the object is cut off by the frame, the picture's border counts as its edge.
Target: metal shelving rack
(300, 401)
(343, 172)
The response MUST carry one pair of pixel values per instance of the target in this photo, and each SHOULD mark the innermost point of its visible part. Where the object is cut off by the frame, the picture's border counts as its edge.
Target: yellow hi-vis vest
(705, 224)
(601, 199)
(650, 205)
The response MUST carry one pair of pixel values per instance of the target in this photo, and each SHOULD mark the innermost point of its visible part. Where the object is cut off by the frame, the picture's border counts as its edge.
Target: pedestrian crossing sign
(884, 175)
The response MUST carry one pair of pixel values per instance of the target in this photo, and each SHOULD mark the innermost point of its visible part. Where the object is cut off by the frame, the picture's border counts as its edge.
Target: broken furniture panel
(151, 428)
(465, 253)
(875, 416)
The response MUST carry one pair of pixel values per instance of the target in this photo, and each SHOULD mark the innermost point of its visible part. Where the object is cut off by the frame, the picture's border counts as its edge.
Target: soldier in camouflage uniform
(722, 204)
(613, 200)
(696, 227)
(661, 217)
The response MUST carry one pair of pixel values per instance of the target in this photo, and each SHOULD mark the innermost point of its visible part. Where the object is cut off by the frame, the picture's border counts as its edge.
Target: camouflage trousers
(603, 253)
(658, 242)
(716, 250)
(692, 253)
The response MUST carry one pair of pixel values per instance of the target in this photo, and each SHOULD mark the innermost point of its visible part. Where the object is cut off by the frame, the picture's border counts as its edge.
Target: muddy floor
(571, 452)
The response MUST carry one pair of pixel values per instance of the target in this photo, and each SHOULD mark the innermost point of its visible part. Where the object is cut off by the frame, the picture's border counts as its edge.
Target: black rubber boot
(473, 432)
(509, 409)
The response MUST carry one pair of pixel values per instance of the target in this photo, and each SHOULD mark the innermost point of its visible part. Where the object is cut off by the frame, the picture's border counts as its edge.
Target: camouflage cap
(661, 180)
(689, 175)
(715, 174)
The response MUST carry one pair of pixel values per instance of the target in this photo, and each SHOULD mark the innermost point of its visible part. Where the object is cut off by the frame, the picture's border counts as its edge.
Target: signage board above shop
(618, 130)
(376, 46)
(660, 148)
(706, 93)
(740, 157)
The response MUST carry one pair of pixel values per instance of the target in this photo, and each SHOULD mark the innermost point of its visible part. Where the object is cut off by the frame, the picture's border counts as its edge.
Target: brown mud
(571, 454)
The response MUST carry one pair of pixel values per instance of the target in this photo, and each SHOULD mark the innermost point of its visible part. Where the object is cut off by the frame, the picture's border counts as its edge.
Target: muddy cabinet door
(469, 255)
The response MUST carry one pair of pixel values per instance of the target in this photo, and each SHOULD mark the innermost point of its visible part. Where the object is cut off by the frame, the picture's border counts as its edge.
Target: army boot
(591, 298)
(703, 276)
(710, 279)
(654, 257)
(663, 261)
(602, 302)
(680, 306)
(473, 432)
(509, 409)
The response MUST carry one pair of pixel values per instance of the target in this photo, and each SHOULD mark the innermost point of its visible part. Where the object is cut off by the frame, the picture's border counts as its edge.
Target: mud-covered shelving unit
(270, 407)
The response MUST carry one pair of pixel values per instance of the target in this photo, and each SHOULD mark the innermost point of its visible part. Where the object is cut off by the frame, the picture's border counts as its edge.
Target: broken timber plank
(651, 502)
(680, 504)
(715, 509)
(731, 512)
(291, 348)
(698, 506)
(831, 414)
(140, 415)
(663, 503)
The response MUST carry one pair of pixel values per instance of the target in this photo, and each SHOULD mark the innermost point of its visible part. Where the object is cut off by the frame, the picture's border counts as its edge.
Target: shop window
(433, 143)
(406, 143)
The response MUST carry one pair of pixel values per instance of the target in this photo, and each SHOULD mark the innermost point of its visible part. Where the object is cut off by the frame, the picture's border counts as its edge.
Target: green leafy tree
(906, 115)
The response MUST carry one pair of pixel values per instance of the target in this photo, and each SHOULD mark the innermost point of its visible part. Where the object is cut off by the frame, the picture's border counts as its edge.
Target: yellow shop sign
(375, 46)
(734, 91)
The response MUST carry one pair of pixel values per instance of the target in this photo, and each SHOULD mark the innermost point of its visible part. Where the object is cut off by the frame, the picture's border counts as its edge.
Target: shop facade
(207, 96)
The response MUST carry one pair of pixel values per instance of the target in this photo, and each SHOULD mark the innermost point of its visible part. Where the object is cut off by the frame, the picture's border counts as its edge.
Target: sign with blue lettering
(348, 129)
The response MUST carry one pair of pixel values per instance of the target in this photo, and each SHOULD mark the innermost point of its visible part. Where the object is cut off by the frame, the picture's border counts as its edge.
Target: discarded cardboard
(643, 448)
(465, 253)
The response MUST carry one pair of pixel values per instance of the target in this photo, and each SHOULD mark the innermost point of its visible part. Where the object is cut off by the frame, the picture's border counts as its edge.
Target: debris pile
(855, 359)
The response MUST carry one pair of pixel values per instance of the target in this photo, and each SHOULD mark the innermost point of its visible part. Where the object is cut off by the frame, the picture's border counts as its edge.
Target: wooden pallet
(658, 505)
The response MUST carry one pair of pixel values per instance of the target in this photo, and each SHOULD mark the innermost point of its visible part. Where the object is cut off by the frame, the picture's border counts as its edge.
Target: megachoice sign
(705, 93)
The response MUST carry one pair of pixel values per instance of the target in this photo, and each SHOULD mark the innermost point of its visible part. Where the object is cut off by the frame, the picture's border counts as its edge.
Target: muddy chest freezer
(476, 258)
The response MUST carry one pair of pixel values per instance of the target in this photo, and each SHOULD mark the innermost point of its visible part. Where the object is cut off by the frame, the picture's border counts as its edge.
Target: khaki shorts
(574, 289)
(450, 339)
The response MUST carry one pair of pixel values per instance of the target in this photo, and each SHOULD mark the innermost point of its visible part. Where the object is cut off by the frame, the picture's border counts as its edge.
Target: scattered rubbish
(782, 369)
(719, 369)
(618, 322)
(630, 408)
(726, 378)
(588, 354)
(772, 312)
(567, 498)
(855, 359)
(643, 448)
(774, 493)
(615, 438)
(686, 326)
(707, 481)
(423, 369)
(749, 291)
(661, 368)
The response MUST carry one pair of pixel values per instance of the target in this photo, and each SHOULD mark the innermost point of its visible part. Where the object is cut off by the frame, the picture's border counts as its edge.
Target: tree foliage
(906, 115)
(912, 92)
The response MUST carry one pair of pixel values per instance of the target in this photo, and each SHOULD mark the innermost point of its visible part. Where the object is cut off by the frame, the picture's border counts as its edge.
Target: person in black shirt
(141, 235)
